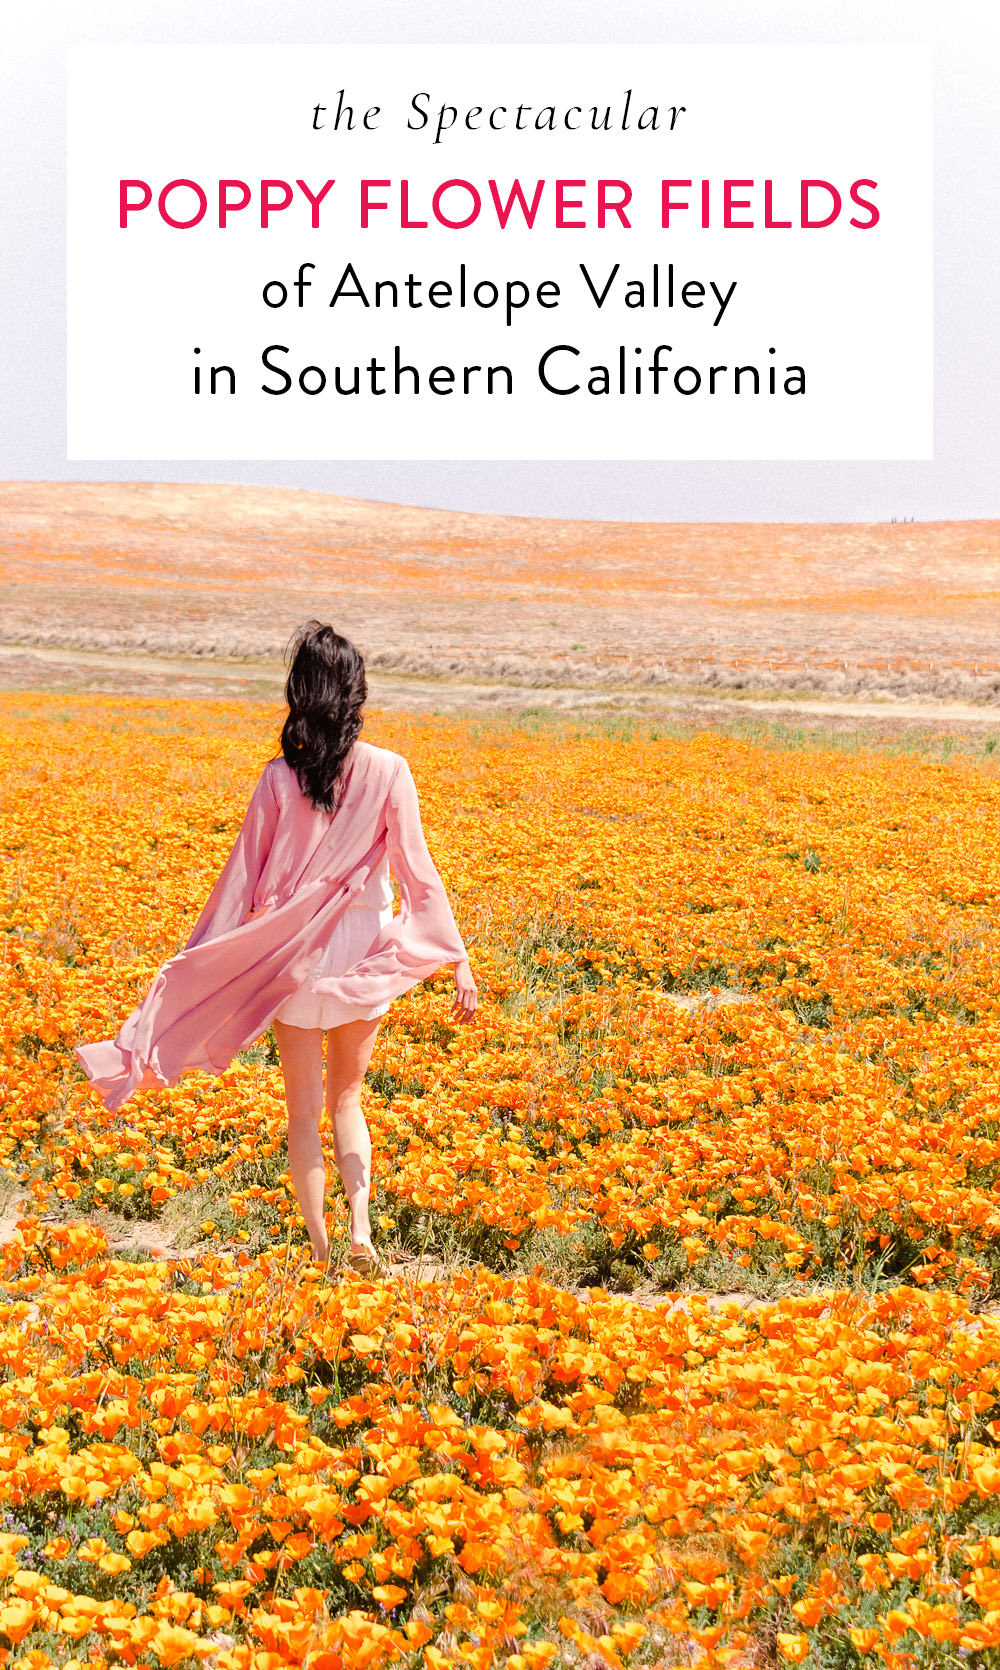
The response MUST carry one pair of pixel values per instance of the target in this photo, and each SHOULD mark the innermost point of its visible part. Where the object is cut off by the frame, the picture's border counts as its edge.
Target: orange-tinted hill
(230, 570)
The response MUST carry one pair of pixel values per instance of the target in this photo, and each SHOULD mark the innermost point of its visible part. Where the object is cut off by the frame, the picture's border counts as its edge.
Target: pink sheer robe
(290, 876)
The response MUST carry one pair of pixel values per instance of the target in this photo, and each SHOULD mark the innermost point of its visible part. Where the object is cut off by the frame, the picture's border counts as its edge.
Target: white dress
(352, 938)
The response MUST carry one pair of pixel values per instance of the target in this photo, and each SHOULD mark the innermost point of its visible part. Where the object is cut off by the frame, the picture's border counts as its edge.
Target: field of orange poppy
(552, 1440)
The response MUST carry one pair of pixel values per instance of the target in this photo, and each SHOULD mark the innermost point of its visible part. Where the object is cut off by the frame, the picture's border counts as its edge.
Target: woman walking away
(299, 933)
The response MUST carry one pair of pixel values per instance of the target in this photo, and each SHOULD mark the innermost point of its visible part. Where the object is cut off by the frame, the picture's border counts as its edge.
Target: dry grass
(900, 610)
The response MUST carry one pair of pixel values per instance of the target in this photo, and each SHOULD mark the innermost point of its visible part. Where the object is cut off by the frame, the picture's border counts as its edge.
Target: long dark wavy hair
(325, 691)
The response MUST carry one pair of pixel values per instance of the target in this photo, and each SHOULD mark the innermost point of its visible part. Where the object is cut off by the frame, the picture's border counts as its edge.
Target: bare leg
(348, 1052)
(301, 1052)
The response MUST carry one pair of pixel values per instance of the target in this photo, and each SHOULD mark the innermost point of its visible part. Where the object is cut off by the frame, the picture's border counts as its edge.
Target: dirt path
(162, 1244)
(58, 669)
(132, 1239)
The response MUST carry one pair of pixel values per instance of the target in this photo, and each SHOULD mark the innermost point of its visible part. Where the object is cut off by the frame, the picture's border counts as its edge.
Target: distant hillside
(229, 571)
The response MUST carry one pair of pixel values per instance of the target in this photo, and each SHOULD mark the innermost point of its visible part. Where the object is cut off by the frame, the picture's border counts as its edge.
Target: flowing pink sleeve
(422, 937)
(231, 899)
(425, 914)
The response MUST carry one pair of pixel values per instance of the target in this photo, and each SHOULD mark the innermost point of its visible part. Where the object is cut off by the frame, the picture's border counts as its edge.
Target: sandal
(367, 1263)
